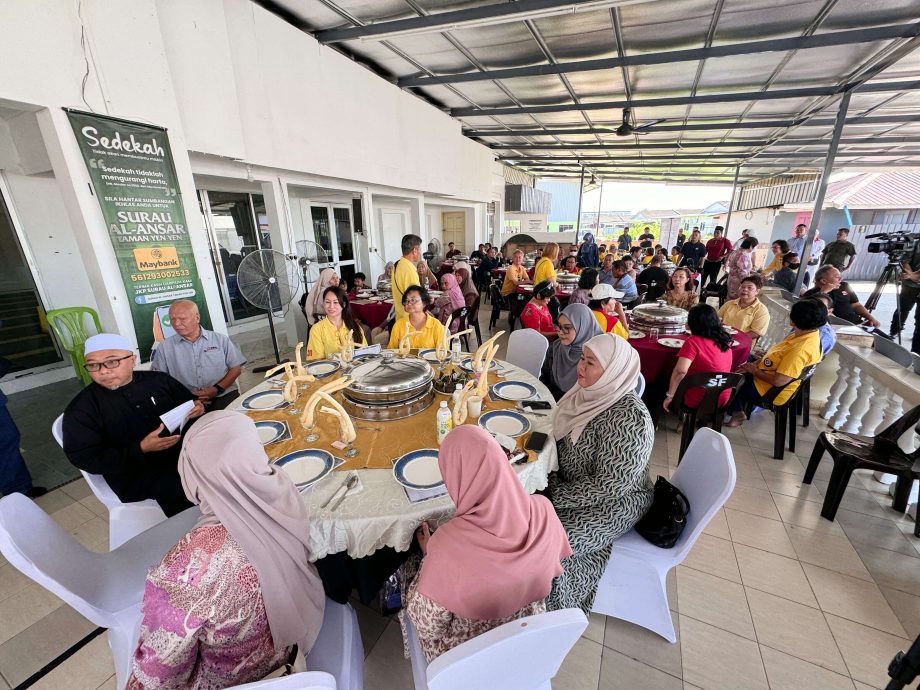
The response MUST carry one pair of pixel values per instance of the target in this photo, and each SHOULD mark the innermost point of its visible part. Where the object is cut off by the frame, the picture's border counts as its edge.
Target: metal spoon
(345, 485)
(352, 481)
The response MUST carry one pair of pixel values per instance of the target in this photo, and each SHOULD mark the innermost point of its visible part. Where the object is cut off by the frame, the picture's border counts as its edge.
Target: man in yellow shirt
(784, 362)
(405, 273)
(516, 274)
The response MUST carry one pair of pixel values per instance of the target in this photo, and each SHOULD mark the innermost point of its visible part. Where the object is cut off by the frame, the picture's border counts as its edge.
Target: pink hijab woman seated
(450, 301)
(494, 561)
(228, 602)
(312, 302)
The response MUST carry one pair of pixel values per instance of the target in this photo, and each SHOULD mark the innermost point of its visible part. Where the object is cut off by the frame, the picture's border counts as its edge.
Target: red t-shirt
(704, 355)
(715, 248)
(536, 317)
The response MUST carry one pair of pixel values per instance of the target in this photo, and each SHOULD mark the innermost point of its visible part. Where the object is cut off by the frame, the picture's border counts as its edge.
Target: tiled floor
(772, 596)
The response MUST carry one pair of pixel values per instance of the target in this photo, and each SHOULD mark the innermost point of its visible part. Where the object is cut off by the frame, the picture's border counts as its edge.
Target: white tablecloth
(381, 514)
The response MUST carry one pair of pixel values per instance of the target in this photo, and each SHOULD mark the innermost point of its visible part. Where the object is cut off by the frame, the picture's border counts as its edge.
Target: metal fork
(352, 481)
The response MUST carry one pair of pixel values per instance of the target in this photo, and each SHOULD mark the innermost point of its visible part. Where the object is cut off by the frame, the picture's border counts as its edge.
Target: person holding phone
(494, 561)
(604, 438)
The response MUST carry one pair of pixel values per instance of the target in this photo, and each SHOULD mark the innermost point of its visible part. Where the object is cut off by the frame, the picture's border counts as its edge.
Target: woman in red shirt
(536, 314)
(707, 349)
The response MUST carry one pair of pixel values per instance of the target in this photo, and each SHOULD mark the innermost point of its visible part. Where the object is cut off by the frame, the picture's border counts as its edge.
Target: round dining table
(372, 312)
(658, 361)
(378, 512)
(562, 294)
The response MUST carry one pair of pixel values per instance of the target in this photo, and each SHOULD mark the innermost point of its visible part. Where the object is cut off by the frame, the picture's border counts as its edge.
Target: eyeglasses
(413, 300)
(108, 364)
(565, 329)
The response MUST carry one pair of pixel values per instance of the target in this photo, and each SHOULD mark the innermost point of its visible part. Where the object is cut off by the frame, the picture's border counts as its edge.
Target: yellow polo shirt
(404, 276)
(602, 321)
(789, 357)
(431, 334)
(325, 340)
(513, 277)
(754, 318)
(544, 270)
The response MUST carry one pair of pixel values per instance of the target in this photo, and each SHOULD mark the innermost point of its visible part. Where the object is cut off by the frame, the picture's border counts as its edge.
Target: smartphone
(536, 441)
(536, 404)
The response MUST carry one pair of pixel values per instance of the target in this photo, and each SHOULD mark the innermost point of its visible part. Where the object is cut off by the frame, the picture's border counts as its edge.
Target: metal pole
(581, 192)
(599, 197)
(731, 200)
(822, 190)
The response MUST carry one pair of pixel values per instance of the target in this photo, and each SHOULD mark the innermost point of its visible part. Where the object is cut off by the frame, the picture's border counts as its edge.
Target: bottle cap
(443, 403)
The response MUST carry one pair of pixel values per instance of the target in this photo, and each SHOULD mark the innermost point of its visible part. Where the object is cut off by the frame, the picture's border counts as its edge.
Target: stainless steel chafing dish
(567, 279)
(667, 319)
(389, 387)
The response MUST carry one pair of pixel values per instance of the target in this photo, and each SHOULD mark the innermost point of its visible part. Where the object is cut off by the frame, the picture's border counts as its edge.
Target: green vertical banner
(131, 168)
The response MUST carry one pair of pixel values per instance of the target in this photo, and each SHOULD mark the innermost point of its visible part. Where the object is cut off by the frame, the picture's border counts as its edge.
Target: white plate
(306, 467)
(418, 469)
(735, 343)
(676, 343)
(731, 331)
(322, 367)
(270, 431)
(514, 390)
(635, 335)
(467, 364)
(507, 422)
(264, 400)
(430, 355)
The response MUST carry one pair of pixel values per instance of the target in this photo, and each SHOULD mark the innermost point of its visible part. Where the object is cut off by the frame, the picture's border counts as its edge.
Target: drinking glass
(653, 335)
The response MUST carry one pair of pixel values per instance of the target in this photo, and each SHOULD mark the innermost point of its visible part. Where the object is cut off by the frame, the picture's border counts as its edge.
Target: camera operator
(910, 292)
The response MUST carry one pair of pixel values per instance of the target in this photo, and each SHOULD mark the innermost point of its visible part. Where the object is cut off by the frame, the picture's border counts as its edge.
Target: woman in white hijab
(313, 303)
(227, 604)
(604, 437)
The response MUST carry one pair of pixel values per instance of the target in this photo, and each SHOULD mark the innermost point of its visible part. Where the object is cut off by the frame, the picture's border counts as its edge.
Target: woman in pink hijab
(451, 300)
(227, 604)
(494, 561)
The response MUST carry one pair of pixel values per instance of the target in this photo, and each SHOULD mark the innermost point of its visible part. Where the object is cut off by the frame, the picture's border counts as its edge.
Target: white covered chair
(524, 654)
(640, 385)
(338, 650)
(126, 520)
(527, 350)
(633, 587)
(107, 588)
(311, 680)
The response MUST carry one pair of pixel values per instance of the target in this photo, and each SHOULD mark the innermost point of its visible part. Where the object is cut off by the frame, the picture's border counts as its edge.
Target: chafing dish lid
(390, 374)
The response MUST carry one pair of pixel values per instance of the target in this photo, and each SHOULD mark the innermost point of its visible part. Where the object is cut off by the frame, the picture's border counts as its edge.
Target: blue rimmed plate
(507, 422)
(418, 469)
(467, 363)
(322, 368)
(514, 390)
(429, 354)
(265, 400)
(271, 431)
(306, 467)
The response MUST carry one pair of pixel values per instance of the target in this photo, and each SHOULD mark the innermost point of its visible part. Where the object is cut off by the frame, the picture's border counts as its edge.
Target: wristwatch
(220, 389)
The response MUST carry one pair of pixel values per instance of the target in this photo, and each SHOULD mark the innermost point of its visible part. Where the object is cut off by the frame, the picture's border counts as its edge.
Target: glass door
(25, 339)
(237, 225)
(333, 231)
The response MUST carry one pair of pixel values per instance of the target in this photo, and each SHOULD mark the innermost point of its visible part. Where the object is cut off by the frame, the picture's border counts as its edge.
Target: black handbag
(666, 518)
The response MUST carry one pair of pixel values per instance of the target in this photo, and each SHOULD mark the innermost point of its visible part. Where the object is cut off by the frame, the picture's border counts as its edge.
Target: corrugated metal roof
(875, 190)
(711, 85)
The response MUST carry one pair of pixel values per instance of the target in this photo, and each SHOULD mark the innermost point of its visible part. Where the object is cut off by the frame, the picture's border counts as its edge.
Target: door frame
(334, 260)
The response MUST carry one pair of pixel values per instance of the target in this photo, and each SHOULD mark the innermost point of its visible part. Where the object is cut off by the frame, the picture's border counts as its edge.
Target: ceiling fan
(627, 129)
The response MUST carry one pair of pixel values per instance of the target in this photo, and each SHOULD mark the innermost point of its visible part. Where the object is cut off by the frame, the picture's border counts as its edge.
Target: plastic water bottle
(445, 421)
(456, 349)
(455, 396)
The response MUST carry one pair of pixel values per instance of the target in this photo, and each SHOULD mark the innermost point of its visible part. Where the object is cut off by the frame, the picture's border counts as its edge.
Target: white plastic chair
(633, 587)
(126, 520)
(527, 350)
(524, 654)
(107, 588)
(640, 385)
(311, 680)
(338, 650)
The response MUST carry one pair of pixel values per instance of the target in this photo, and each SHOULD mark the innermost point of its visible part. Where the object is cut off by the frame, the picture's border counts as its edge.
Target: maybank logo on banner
(156, 259)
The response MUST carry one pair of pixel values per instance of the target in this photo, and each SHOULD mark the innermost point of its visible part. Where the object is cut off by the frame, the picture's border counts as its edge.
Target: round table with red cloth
(371, 313)
(561, 295)
(659, 361)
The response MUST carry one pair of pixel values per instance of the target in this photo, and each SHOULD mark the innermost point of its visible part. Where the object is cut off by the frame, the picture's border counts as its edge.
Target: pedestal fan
(311, 258)
(269, 281)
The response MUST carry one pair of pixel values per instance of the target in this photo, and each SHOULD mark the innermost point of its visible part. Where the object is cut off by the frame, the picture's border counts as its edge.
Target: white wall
(760, 223)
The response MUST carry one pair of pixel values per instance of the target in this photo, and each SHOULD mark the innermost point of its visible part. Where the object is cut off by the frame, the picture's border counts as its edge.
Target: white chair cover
(527, 350)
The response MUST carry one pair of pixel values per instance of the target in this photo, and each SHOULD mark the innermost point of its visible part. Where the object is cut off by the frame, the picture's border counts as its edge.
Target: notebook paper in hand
(175, 419)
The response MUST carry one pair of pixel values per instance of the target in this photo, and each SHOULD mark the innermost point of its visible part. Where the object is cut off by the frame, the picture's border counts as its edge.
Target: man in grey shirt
(205, 362)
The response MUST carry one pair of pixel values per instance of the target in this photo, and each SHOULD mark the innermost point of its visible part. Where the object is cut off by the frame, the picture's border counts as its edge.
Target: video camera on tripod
(899, 246)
